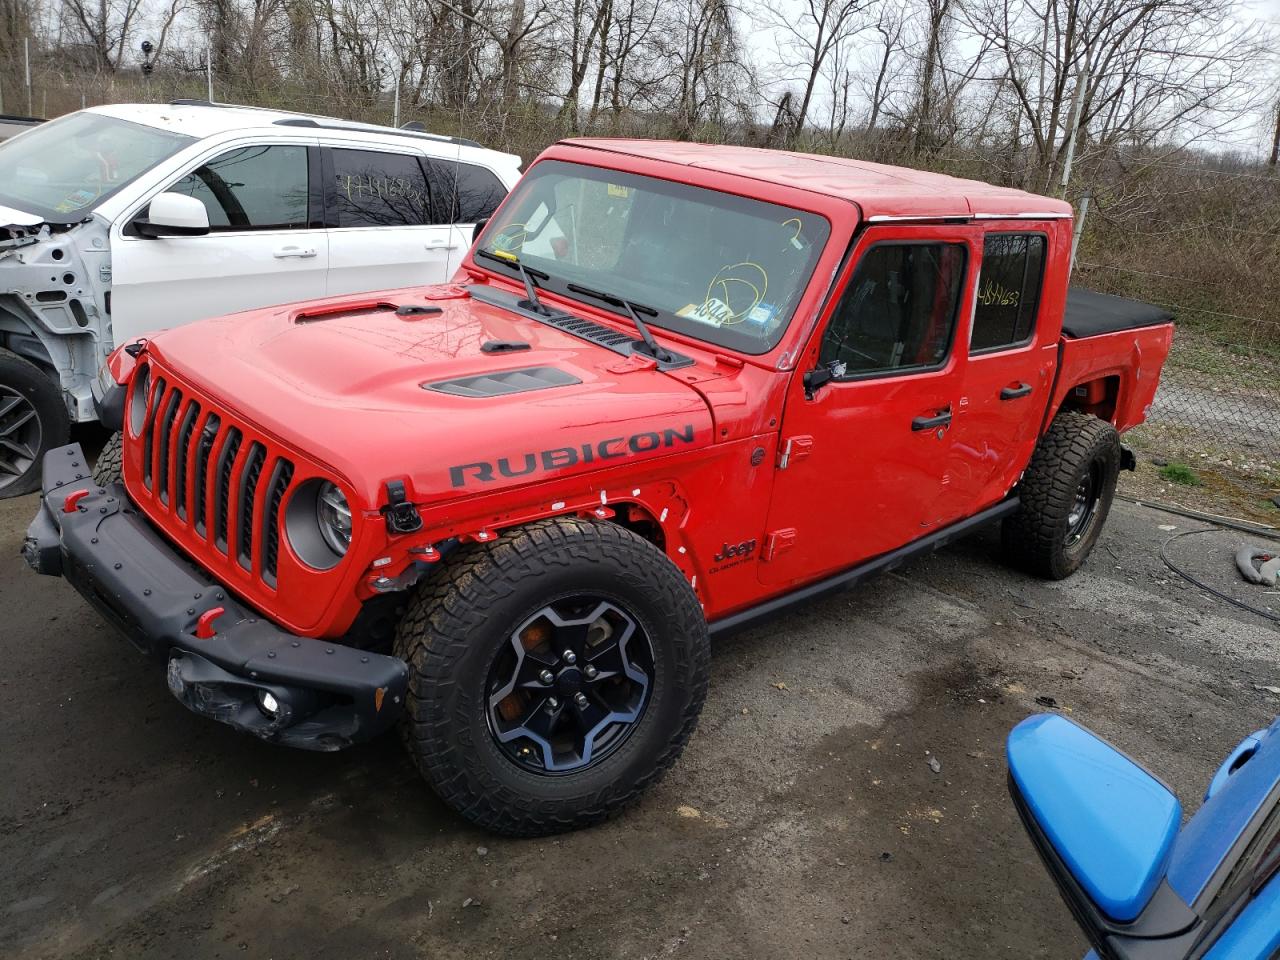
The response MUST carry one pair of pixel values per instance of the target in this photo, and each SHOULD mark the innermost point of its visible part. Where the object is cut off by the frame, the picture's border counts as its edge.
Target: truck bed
(1091, 314)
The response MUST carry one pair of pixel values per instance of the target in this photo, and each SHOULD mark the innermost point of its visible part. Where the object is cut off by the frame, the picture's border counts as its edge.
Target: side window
(1008, 290)
(380, 189)
(252, 188)
(479, 193)
(442, 175)
(898, 312)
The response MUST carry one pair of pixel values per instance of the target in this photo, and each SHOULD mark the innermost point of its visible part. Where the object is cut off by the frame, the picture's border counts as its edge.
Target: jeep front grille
(209, 478)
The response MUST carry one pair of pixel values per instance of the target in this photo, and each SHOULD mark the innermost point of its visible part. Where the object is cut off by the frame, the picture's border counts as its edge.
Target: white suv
(121, 220)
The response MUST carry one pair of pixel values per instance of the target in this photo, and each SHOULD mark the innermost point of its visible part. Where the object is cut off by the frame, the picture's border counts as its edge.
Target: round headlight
(334, 516)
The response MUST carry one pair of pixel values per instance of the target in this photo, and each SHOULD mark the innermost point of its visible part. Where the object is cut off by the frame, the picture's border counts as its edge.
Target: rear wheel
(1064, 496)
(554, 675)
(32, 420)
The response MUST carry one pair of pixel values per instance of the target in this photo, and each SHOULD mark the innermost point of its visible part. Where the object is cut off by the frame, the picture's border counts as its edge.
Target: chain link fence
(1202, 240)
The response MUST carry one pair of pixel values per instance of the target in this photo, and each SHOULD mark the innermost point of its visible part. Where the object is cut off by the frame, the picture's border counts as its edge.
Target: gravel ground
(804, 820)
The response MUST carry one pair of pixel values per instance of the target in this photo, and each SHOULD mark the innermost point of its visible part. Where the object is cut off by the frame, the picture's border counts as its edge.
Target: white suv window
(376, 189)
(252, 188)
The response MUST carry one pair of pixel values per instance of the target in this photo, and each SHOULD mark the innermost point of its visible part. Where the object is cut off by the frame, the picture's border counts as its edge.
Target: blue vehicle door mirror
(1105, 826)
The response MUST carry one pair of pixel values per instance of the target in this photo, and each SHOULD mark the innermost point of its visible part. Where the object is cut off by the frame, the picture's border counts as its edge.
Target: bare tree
(101, 28)
(811, 32)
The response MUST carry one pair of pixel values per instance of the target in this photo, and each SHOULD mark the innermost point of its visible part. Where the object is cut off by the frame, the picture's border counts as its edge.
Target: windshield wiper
(526, 274)
(634, 309)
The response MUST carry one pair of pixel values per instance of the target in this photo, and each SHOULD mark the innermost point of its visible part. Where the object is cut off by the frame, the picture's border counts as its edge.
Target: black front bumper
(327, 695)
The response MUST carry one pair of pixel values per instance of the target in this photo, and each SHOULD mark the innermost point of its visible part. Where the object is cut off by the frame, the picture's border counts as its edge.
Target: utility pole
(208, 70)
(26, 57)
(395, 112)
(1077, 108)
(1078, 230)
(1275, 143)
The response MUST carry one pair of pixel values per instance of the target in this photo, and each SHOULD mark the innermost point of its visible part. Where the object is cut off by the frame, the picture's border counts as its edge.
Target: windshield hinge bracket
(402, 515)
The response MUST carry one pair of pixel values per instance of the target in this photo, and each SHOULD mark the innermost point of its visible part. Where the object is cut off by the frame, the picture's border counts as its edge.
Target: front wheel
(32, 421)
(553, 675)
(109, 466)
(1064, 496)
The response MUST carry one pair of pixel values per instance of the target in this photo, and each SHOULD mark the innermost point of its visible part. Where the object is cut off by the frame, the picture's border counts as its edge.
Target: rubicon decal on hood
(559, 458)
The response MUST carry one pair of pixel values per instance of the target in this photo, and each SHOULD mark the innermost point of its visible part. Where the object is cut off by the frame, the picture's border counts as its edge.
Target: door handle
(941, 419)
(439, 245)
(293, 253)
(1013, 393)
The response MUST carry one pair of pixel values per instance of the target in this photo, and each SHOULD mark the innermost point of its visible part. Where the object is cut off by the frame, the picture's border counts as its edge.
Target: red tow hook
(204, 626)
(69, 504)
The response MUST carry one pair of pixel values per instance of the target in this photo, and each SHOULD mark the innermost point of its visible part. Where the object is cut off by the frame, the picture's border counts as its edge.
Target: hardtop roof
(879, 190)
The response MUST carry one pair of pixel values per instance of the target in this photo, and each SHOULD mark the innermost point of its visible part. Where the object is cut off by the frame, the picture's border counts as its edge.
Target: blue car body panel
(1235, 796)
(1255, 934)
(1120, 821)
(1110, 821)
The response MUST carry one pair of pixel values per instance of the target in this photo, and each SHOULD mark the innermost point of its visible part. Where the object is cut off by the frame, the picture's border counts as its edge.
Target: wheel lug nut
(553, 703)
(569, 656)
(580, 699)
(591, 673)
(546, 677)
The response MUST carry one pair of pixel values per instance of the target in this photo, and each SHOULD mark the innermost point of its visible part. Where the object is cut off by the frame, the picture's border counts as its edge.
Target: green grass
(1181, 474)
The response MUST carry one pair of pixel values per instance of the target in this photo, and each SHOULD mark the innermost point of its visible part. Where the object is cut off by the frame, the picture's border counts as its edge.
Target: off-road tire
(35, 390)
(459, 620)
(1038, 537)
(110, 463)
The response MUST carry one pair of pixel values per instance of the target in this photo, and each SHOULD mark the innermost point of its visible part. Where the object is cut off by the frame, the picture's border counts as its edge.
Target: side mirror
(174, 215)
(819, 377)
(478, 229)
(1103, 826)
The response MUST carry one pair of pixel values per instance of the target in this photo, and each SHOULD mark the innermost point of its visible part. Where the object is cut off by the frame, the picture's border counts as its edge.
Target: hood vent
(505, 383)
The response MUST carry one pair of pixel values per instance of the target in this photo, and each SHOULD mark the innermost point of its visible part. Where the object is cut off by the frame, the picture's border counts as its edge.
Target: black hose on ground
(1204, 586)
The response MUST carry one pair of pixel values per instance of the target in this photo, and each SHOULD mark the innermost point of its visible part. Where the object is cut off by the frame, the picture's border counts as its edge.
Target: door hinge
(797, 448)
(779, 541)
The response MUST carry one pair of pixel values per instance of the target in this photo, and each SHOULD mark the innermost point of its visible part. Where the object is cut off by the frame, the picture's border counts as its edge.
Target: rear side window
(479, 193)
(252, 188)
(898, 312)
(1008, 290)
(380, 189)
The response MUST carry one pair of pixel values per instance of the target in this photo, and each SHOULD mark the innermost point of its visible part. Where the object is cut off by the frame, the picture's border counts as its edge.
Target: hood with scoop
(461, 396)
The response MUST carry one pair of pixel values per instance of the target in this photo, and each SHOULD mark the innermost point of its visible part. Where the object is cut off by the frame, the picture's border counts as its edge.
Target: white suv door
(389, 217)
(266, 243)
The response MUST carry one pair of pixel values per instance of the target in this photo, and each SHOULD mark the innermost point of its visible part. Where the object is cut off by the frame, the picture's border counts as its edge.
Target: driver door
(266, 243)
(864, 456)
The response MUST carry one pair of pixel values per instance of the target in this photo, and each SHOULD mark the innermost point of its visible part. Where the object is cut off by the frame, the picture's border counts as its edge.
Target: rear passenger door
(1011, 361)
(390, 218)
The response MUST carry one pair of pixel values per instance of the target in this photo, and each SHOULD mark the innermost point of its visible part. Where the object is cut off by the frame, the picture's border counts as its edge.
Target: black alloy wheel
(1085, 507)
(572, 684)
(33, 420)
(20, 436)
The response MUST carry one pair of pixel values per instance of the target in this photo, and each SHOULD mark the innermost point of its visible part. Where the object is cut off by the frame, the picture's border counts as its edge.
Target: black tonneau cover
(1090, 313)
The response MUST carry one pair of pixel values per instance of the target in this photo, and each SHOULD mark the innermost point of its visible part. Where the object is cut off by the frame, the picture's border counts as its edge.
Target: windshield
(722, 268)
(61, 169)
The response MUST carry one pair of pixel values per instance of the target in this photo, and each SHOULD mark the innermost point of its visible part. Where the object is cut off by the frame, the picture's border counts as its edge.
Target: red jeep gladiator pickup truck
(673, 389)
